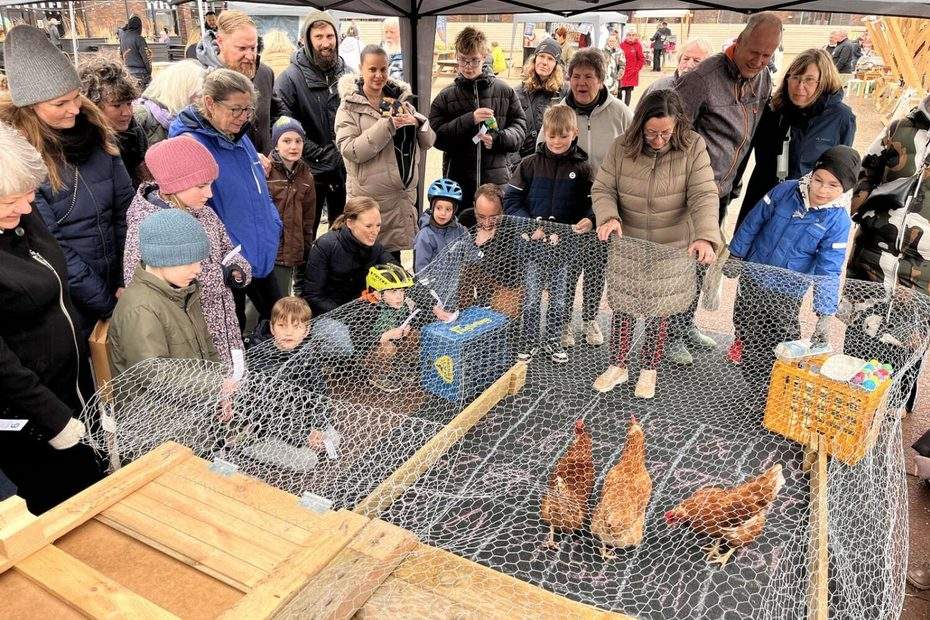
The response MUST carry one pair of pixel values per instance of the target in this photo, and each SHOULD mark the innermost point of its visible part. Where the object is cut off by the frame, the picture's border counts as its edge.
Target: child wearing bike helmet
(439, 225)
(398, 344)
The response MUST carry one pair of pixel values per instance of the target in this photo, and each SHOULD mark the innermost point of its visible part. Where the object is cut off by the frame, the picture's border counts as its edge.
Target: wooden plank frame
(818, 551)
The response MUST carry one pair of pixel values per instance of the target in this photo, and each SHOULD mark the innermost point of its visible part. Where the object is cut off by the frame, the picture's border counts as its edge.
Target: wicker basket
(802, 403)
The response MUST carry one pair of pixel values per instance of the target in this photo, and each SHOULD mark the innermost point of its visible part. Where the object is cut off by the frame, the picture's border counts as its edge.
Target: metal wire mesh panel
(623, 474)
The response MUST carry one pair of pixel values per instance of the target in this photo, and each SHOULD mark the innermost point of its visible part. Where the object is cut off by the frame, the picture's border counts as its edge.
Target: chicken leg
(714, 555)
(606, 554)
(550, 541)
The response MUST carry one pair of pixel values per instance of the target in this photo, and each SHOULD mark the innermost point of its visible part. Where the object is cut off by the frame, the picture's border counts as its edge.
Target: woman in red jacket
(635, 60)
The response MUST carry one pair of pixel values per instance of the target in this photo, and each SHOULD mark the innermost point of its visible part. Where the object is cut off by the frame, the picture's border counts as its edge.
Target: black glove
(733, 267)
(234, 276)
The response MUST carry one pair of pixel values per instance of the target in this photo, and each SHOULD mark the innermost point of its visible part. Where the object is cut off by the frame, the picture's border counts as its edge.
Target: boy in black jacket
(553, 187)
(478, 120)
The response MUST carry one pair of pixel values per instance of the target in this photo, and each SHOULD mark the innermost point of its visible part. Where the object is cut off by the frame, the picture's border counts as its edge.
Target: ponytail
(355, 206)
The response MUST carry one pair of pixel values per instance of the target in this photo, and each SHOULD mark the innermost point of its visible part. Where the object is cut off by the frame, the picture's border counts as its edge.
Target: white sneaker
(611, 378)
(593, 334)
(646, 384)
(700, 339)
(568, 337)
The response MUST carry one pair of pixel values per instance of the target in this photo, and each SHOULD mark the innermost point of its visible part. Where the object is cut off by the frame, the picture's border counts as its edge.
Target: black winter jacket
(336, 269)
(132, 147)
(534, 106)
(41, 350)
(311, 97)
(451, 116)
(844, 56)
(134, 50)
(91, 232)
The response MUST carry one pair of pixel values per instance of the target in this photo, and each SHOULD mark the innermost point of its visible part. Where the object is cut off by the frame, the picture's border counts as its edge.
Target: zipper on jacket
(479, 145)
(650, 191)
(61, 304)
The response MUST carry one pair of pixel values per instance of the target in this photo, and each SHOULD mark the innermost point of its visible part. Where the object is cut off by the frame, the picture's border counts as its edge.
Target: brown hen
(736, 515)
(565, 505)
(619, 519)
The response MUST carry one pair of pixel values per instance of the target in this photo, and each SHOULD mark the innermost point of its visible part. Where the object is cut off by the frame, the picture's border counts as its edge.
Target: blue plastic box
(460, 359)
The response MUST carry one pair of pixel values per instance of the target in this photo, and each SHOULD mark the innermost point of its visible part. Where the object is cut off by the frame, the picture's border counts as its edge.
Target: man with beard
(308, 93)
(234, 45)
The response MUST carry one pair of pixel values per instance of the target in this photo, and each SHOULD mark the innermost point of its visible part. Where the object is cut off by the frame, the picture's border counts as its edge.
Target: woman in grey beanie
(84, 200)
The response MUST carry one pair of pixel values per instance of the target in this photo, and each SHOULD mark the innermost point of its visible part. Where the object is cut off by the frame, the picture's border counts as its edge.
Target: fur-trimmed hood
(349, 85)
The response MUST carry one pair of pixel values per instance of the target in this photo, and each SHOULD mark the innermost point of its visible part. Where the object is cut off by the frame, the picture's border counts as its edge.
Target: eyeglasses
(808, 82)
(474, 61)
(653, 135)
(237, 112)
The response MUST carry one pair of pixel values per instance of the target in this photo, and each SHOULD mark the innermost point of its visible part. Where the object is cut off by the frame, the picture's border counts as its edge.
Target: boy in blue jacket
(439, 225)
(553, 187)
(802, 226)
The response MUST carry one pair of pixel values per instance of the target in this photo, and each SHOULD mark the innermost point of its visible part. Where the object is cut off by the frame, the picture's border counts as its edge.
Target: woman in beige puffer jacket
(656, 189)
(381, 135)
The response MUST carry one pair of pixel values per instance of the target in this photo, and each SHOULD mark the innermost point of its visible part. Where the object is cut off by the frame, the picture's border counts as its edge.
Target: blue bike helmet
(444, 188)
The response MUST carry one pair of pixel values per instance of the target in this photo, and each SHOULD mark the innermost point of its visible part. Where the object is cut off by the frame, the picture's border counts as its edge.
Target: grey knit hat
(551, 47)
(172, 237)
(318, 16)
(36, 70)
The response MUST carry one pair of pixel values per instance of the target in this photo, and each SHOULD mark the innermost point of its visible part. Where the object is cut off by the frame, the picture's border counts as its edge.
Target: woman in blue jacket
(802, 227)
(221, 121)
(806, 117)
(84, 201)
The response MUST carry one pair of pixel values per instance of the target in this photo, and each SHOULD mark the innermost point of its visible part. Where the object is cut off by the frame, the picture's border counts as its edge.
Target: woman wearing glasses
(656, 189)
(805, 118)
(220, 121)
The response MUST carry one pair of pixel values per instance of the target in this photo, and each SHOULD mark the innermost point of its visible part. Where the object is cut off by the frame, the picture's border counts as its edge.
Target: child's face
(290, 146)
(442, 211)
(558, 143)
(195, 197)
(824, 188)
(288, 334)
(394, 297)
(470, 64)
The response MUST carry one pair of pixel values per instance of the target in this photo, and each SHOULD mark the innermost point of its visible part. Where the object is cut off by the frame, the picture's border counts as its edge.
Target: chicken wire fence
(622, 475)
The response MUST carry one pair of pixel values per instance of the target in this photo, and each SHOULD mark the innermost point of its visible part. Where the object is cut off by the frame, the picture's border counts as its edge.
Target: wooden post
(818, 554)
(404, 476)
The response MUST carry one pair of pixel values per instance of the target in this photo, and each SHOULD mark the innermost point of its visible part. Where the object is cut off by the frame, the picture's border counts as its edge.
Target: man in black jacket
(844, 54)
(135, 51)
(308, 92)
(478, 120)
(234, 46)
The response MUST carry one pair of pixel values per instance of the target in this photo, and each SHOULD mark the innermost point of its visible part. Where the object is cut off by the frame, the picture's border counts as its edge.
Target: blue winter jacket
(92, 232)
(240, 194)
(782, 232)
(431, 240)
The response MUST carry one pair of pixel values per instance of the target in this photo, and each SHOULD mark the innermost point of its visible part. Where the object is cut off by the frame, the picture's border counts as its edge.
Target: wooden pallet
(167, 537)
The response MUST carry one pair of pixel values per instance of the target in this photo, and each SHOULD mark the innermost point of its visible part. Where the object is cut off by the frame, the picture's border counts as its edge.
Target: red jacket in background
(635, 60)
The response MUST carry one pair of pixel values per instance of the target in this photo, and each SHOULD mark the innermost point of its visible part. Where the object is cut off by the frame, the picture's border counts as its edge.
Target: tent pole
(74, 46)
(513, 36)
(203, 30)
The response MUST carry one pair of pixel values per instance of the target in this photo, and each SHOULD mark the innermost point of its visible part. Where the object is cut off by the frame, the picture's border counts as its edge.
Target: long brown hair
(657, 104)
(553, 83)
(45, 139)
(354, 208)
(830, 81)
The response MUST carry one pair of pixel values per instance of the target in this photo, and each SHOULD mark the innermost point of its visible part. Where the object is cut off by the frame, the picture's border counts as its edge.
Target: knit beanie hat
(180, 163)
(843, 163)
(551, 47)
(172, 237)
(284, 125)
(36, 70)
(318, 16)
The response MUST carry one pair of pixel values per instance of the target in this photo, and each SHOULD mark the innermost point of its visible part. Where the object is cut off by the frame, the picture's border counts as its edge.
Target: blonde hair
(45, 140)
(176, 85)
(221, 83)
(23, 168)
(471, 40)
(559, 119)
(291, 309)
(232, 20)
(830, 81)
(553, 83)
(355, 206)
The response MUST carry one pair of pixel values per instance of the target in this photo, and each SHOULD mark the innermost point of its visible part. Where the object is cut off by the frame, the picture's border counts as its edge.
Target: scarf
(80, 142)
(585, 110)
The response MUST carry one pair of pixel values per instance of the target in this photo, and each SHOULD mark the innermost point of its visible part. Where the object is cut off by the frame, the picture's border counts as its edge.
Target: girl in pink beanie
(184, 171)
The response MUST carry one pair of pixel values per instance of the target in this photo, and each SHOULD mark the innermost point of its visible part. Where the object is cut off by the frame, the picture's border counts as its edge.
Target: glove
(233, 276)
(733, 267)
(72, 433)
(821, 330)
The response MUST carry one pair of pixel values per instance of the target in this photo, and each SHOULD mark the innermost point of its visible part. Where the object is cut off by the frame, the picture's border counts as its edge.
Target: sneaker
(593, 334)
(526, 355)
(385, 383)
(557, 352)
(646, 384)
(611, 378)
(735, 352)
(700, 340)
(678, 353)
(568, 337)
